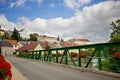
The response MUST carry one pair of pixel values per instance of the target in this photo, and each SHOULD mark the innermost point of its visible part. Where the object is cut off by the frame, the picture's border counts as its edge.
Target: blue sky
(33, 9)
(79, 18)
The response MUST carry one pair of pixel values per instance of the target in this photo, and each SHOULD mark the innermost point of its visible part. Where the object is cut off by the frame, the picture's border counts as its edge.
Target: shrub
(73, 54)
(83, 54)
(5, 69)
(58, 54)
(117, 54)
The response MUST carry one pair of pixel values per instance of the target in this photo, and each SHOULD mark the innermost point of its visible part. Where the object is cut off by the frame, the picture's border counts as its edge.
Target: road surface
(36, 70)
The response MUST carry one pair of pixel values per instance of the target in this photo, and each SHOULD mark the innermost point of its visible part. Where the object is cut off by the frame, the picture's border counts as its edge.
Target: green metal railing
(98, 56)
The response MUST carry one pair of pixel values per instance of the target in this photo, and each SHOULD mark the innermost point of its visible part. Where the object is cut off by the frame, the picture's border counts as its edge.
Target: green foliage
(47, 47)
(15, 35)
(107, 65)
(115, 38)
(115, 35)
(115, 26)
(62, 40)
(33, 37)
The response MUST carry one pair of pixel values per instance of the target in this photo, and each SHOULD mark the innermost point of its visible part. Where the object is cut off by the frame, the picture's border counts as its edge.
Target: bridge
(99, 57)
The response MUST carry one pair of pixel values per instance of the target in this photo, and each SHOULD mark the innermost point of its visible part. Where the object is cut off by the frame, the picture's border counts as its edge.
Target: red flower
(117, 54)
(5, 68)
(83, 54)
(73, 54)
(1, 78)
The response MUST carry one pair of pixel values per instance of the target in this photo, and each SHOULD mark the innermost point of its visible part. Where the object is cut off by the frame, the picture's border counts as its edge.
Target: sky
(89, 19)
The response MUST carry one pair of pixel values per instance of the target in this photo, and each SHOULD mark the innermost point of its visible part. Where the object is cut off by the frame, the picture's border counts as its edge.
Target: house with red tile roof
(30, 47)
(6, 48)
(14, 44)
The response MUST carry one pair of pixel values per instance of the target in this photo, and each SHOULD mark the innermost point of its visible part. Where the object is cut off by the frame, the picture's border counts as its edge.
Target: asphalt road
(36, 70)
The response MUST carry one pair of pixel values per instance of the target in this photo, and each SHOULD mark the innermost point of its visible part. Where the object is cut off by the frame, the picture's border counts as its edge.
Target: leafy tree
(115, 38)
(33, 37)
(47, 47)
(115, 35)
(15, 35)
(62, 40)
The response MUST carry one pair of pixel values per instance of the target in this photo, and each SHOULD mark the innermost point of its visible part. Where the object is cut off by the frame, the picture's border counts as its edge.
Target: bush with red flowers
(5, 69)
(83, 54)
(73, 54)
(58, 54)
(117, 54)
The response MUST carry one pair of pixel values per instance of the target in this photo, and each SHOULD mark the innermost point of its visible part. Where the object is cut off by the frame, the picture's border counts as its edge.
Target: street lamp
(1, 37)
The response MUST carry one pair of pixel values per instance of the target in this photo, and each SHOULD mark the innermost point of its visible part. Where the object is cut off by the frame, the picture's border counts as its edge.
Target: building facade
(47, 39)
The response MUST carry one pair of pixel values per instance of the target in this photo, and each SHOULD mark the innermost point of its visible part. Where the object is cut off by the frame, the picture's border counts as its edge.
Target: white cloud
(52, 5)
(92, 22)
(39, 1)
(74, 4)
(5, 23)
(17, 3)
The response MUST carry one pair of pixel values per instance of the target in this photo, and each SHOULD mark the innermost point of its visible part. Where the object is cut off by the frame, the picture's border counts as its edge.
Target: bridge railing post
(79, 59)
(99, 59)
(56, 56)
(49, 55)
(66, 57)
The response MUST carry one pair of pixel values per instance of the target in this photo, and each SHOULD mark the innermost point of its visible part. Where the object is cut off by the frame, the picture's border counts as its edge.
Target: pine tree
(15, 35)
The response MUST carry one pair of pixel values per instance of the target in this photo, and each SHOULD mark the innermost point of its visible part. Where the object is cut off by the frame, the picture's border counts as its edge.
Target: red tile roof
(82, 40)
(13, 42)
(68, 44)
(86, 40)
(30, 46)
(44, 44)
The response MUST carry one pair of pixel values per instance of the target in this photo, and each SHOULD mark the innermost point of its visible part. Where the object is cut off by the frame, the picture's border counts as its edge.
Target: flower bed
(5, 69)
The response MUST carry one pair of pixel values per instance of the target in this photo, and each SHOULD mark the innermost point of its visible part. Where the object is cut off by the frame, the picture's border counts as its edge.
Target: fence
(103, 56)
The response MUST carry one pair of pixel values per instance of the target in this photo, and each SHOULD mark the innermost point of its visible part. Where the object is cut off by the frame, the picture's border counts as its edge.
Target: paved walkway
(16, 74)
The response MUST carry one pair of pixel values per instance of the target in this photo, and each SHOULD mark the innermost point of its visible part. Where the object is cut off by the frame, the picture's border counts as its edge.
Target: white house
(47, 38)
(80, 41)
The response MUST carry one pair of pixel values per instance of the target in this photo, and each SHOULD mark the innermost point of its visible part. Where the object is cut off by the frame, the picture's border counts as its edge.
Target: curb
(16, 74)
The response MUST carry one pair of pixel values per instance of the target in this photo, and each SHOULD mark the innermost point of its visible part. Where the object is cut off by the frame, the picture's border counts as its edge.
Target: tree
(58, 38)
(15, 35)
(33, 37)
(47, 47)
(115, 35)
(62, 40)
